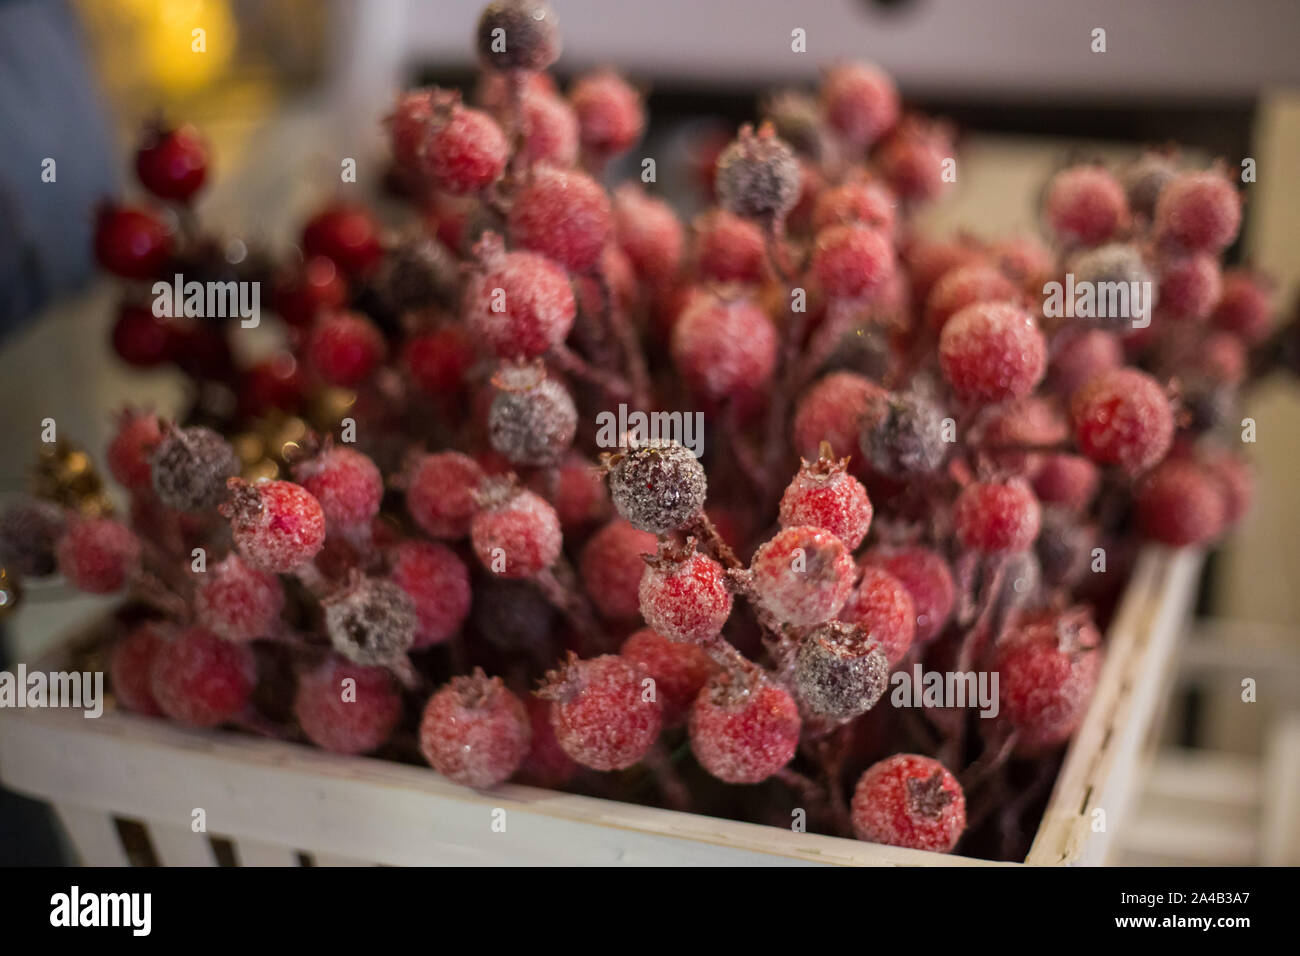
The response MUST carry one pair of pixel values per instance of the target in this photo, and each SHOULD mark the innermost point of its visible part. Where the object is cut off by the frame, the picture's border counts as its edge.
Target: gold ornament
(66, 475)
(11, 593)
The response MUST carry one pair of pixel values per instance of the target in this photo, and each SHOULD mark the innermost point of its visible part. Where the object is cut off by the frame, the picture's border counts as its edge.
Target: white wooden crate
(275, 801)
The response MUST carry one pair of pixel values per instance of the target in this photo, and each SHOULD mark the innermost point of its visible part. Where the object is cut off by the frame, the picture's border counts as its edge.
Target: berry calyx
(824, 495)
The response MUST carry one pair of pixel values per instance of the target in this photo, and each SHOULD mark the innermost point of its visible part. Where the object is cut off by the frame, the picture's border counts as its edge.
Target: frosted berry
(355, 718)
(743, 728)
(600, 711)
(679, 671)
(1085, 205)
(347, 484)
(852, 262)
(518, 35)
(437, 582)
(1198, 212)
(274, 382)
(238, 602)
(861, 103)
(1245, 306)
(991, 352)
(1179, 503)
(474, 731)
(610, 116)
(832, 410)
(463, 150)
(172, 163)
(869, 204)
(129, 667)
(141, 338)
(437, 362)
(993, 517)
(370, 621)
(1026, 261)
(201, 680)
(910, 801)
(1114, 262)
(346, 234)
(1235, 480)
(649, 233)
(840, 672)
(802, 575)
(278, 526)
(550, 130)
(965, 286)
(723, 347)
(1081, 354)
(658, 487)
(882, 606)
(516, 534)
(903, 435)
(131, 243)
(315, 289)
(758, 175)
(913, 159)
(824, 495)
(563, 215)
(1123, 418)
(928, 579)
(532, 419)
(30, 529)
(683, 595)
(521, 305)
(345, 348)
(929, 260)
(1190, 286)
(190, 467)
(729, 248)
(98, 555)
(440, 493)
(611, 566)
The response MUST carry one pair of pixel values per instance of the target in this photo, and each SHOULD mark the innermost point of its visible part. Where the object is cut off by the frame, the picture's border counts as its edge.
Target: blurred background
(285, 89)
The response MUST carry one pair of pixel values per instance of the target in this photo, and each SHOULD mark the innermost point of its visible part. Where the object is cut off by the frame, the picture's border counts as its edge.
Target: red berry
(201, 680)
(347, 718)
(578, 495)
(129, 668)
(929, 260)
(238, 602)
(649, 233)
(869, 204)
(743, 728)
(910, 801)
(564, 215)
(463, 150)
(474, 731)
(142, 339)
(928, 580)
(438, 361)
(345, 348)
(1081, 354)
(832, 411)
(313, 290)
(610, 116)
(802, 575)
(1198, 212)
(882, 606)
(1066, 480)
(861, 103)
(1122, 417)
(275, 382)
(521, 306)
(991, 352)
(758, 176)
(131, 243)
(550, 130)
(840, 672)
(611, 566)
(1026, 261)
(824, 495)
(852, 262)
(1222, 358)
(440, 493)
(172, 163)
(1085, 205)
(131, 449)
(529, 29)
(516, 534)
(347, 484)
(437, 582)
(346, 234)
(912, 159)
(408, 125)
(278, 526)
(724, 347)
(1235, 480)
(600, 712)
(679, 671)
(729, 249)
(98, 555)
(1245, 306)
(963, 286)
(993, 517)
(1189, 286)
(1180, 503)
(547, 765)
(683, 595)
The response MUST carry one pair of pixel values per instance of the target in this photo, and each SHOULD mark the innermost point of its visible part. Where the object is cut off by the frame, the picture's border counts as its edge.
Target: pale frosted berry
(1047, 670)
(1085, 205)
(1066, 480)
(611, 118)
(882, 606)
(521, 305)
(910, 801)
(852, 262)
(758, 175)
(679, 671)
(1190, 286)
(649, 233)
(658, 486)
(564, 215)
(190, 467)
(532, 422)
(991, 352)
(238, 602)
(98, 555)
(29, 535)
(1180, 503)
(1081, 354)
(832, 411)
(743, 728)
(600, 711)
(802, 575)
(463, 150)
(437, 582)
(824, 495)
(370, 621)
(913, 159)
(518, 35)
(440, 493)
(861, 103)
(963, 286)
(1122, 417)
(516, 534)
(345, 348)
(928, 579)
(1245, 306)
(278, 526)
(729, 248)
(723, 347)
(1199, 212)
(1235, 480)
(683, 595)
(994, 517)
(347, 484)
(352, 718)
(611, 566)
(547, 765)
(904, 435)
(840, 672)
(130, 665)
(578, 492)
(869, 204)
(474, 731)
(201, 680)
(131, 449)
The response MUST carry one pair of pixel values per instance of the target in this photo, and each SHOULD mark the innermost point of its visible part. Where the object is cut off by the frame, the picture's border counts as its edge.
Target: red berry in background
(438, 361)
(910, 801)
(649, 233)
(679, 671)
(132, 447)
(840, 672)
(611, 566)
(578, 495)
(1198, 212)
(129, 667)
(550, 130)
(347, 235)
(992, 351)
(724, 347)
(1180, 503)
(352, 719)
(802, 575)
(832, 411)
(912, 159)
(172, 163)
(882, 606)
(274, 382)
(1223, 358)
(729, 248)
(1235, 480)
(602, 717)
(683, 595)
(201, 680)
(869, 204)
(532, 34)
(408, 125)
(928, 579)
(347, 484)
(928, 260)
(278, 526)
(1081, 354)
(743, 728)
(1085, 205)
(994, 517)
(564, 215)
(758, 175)
(98, 555)
(861, 103)
(852, 262)
(371, 621)
(1067, 480)
(1245, 306)
(521, 305)
(658, 486)
(463, 150)
(474, 731)
(516, 534)
(1123, 418)
(547, 765)
(141, 338)
(238, 602)
(963, 286)
(610, 116)
(345, 348)
(824, 495)
(1190, 286)
(318, 287)
(1024, 260)
(131, 243)
(440, 493)
(438, 584)
(1048, 667)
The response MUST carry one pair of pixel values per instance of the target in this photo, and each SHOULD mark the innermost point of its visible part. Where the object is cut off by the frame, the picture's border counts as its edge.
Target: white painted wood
(257, 853)
(334, 859)
(180, 846)
(1280, 827)
(93, 835)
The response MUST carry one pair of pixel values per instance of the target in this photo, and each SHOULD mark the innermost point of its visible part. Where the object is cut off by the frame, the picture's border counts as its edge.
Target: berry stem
(557, 585)
(713, 544)
(612, 317)
(671, 785)
(571, 363)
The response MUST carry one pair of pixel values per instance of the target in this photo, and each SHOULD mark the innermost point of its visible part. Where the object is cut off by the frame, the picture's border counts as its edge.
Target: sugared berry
(474, 731)
(861, 103)
(600, 712)
(564, 215)
(370, 621)
(518, 35)
(1198, 212)
(965, 286)
(98, 555)
(824, 495)
(991, 352)
(437, 582)
(29, 535)
(610, 116)
(910, 801)
(1179, 503)
(1122, 417)
(928, 579)
(679, 671)
(611, 566)
(347, 484)
(832, 410)
(903, 435)
(201, 680)
(683, 595)
(129, 667)
(238, 602)
(757, 176)
(345, 707)
(345, 348)
(743, 728)
(723, 347)
(278, 526)
(851, 261)
(802, 575)
(993, 517)
(649, 233)
(440, 493)
(729, 248)
(882, 606)
(532, 419)
(516, 534)
(348, 235)
(840, 671)
(521, 305)
(1085, 205)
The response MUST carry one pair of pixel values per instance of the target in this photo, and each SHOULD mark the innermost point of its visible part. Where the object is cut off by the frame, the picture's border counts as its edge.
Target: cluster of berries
(969, 462)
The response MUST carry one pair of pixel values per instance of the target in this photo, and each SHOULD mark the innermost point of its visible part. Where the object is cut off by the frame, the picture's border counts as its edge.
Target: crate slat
(93, 834)
(180, 846)
(257, 853)
(1280, 831)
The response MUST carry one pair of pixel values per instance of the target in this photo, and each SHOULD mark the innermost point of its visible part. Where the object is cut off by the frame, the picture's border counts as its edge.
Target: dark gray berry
(658, 487)
(758, 175)
(533, 425)
(518, 35)
(1144, 178)
(29, 531)
(797, 118)
(904, 436)
(417, 274)
(840, 672)
(371, 622)
(1115, 262)
(191, 467)
(1064, 548)
(512, 616)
